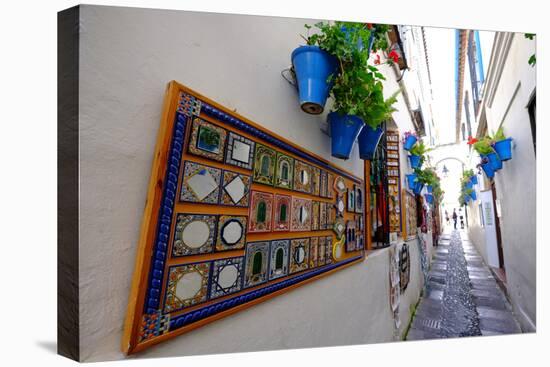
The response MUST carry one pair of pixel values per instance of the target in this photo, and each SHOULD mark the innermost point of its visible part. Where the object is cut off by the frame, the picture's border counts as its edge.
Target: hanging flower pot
(312, 67)
(429, 188)
(494, 160)
(409, 142)
(473, 180)
(368, 141)
(504, 149)
(415, 160)
(411, 180)
(469, 184)
(429, 198)
(418, 188)
(488, 168)
(473, 195)
(344, 129)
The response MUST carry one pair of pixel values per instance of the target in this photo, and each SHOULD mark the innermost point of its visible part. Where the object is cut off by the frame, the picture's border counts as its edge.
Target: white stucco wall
(127, 57)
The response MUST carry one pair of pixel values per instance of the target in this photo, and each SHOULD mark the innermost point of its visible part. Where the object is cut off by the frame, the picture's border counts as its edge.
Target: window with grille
(379, 210)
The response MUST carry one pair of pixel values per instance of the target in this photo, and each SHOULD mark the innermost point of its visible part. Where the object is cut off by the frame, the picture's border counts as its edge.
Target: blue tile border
(202, 313)
(241, 125)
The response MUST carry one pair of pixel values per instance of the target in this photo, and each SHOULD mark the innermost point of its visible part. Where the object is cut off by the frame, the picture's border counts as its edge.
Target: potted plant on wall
(409, 139)
(489, 159)
(502, 145)
(416, 156)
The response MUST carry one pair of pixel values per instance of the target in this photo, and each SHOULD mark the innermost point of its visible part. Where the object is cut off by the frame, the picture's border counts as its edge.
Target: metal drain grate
(431, 323)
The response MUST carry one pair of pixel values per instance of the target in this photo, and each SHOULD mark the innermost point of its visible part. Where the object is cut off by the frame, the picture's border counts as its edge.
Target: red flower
(377, 60)
(394, 56)
(472, 140)
(369, 25)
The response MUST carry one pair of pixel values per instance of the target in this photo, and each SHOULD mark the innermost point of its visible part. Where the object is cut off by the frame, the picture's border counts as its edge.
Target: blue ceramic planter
(411, 180)
(416, 161)
(473, 180)
(429, 198)
(368, 141)
(429, 188)
(348, 33)
(470, 184)
(473, 195)
(488, 169)
(504, 149)
(312, 67)
(410, 141)
(344, 129)
(418, 188)
(494, 160)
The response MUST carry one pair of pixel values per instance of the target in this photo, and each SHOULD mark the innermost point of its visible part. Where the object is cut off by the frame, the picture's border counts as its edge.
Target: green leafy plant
(533, 58)
(484, 146)
(499, 135)
(357, 88)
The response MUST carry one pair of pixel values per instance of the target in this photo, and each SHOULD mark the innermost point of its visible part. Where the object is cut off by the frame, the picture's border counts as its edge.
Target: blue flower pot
(504, 149)
(411, 180)
(473, 195)
(429, 198)
(470, 184)
(348, 33)
(473, 180)
(488, 169)
(312, 67)
(344, 129)
(368, 141)
(418, 188)
(410, 141)
(416, 161)
(430, 189)
(495, 161)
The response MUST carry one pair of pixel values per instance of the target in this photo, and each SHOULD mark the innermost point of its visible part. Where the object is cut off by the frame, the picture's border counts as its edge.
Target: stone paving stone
(504, 326)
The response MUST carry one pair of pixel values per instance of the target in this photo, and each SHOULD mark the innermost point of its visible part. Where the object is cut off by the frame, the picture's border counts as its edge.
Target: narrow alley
(461, 297)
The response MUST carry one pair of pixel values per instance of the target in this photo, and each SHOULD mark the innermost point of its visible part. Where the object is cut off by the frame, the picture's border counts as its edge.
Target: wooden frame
(147, 290)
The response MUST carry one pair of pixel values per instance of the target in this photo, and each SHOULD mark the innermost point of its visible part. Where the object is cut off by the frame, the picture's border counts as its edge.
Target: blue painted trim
(202, 313)
(241, 125)
(158, 258)
(479, 58)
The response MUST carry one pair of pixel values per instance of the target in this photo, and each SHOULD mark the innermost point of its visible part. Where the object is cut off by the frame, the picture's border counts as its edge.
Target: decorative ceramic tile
(339, 227)
(264, 165)
(153, 325)
(240, 151)
(313, 252)
(330, 185)
(194, 234)
(278, 263)
(360, 243)
(331, 215)
(351, 201)
(260, 213)
(189, 105)
(321, 251)
(299, 254)
(302, 177)
(231, 233)
(201, 183)
(323, 215)
(235, 189)
(351, 235)
(340, 205)
(359, 199)
(281, 216)
(284, 171)
(360, 223)
(315, 181)
(187, 286)
(328, 250)
(227, 276)
(338, 249)
(315, 206)
(324, 184)
(340, 185)
(301, 214)
(207, 140)
(256, 263)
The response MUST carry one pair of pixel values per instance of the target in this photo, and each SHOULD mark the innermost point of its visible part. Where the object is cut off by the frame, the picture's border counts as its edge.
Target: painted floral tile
(240, 151)
(281, 216)
(301, 214)
(330, 185)
(321, 251)
(284, 171)
(359, 199)
(303, 177)
(313, 252)
(194, 234)
(351, 235)
(315, 215)
(278, 258)
(207, 140)
(351, 201)
(187, 286)
(201, 183)
(264, 165)
(256, 263)
(231, 232)
(235, 189)
(328, 250)
(260, 212)
(227, 276)
(323, 191)
(323, 215)
(340, 185)
(299, 254)
(315, 181)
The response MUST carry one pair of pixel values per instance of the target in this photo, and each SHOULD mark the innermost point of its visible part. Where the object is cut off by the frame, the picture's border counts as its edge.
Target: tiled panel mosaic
(240, 151)
(194, 234)
(201, 183)
(207, 140)
(235, 189)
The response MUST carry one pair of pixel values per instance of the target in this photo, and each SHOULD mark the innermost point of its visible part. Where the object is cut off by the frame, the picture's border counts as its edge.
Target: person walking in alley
(454, 217)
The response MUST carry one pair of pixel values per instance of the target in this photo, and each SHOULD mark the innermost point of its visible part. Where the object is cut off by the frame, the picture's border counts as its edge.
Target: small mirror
(303, 215)
(195, 234)
(299, 255)
(304, 177)
(232, 232)
(241, 151)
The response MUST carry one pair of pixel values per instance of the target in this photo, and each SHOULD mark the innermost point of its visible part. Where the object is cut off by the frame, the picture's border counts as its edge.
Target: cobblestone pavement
(462, 297)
